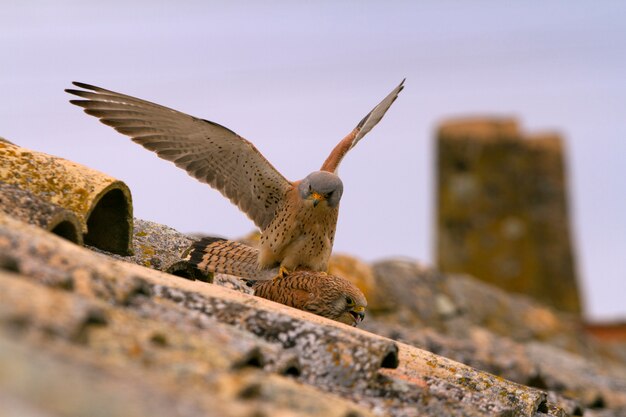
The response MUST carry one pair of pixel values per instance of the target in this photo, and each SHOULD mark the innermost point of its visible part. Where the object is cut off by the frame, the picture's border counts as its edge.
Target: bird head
(321, 186)
(348, 305)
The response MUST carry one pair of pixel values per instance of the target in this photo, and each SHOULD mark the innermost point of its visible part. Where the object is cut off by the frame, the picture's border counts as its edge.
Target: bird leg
(282, 273)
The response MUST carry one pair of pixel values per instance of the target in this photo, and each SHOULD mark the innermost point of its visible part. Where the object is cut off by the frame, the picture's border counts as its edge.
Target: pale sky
(294, 78)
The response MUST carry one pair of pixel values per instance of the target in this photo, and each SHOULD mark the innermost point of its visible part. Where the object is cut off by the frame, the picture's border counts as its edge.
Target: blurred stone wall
(503, 212)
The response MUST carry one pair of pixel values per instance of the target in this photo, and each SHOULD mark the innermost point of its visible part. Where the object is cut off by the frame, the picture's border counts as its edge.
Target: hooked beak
(316, 197)
(358, 314)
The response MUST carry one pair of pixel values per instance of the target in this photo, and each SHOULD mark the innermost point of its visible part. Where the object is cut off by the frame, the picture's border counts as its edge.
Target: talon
(282, 273)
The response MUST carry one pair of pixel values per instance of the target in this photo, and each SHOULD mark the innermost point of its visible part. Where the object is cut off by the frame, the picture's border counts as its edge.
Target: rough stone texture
(450, 303)
(503, 211)
(162, 248)
(511, 336)
(451, 379)
(190, 344)
(233, 282)
(102, 204)
(122, 362)
(29, 208)
(579, 377)
(575, 381)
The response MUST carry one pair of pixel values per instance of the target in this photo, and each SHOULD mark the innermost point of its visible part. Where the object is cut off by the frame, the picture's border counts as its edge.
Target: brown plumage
(297, 219)
(326, 295)
(217, 255)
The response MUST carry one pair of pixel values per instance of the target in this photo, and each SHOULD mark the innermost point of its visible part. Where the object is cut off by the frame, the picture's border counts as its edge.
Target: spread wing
(208, 152)
(334, 159)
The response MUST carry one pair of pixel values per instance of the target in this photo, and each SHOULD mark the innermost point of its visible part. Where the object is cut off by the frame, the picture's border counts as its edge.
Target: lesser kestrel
(297, 219)
(326, 295)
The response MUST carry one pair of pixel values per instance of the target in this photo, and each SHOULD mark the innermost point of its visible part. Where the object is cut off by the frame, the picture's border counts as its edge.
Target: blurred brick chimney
(503, 209)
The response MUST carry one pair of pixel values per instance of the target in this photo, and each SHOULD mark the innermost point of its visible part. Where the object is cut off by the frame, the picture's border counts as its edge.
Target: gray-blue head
(321, 186)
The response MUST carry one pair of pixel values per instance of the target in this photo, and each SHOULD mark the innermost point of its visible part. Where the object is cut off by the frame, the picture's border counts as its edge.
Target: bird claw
(282, 273)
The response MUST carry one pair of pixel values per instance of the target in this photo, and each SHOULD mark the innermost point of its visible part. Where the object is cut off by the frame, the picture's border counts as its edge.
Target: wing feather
(365, 125)
(209, 152)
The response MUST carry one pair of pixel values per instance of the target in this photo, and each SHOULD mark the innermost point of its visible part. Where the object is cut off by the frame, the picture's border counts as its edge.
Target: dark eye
(329, 194)
(309, 187)
(349, 300)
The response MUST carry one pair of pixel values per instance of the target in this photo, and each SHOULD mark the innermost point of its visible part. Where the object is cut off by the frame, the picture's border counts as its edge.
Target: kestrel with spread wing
(297, 219)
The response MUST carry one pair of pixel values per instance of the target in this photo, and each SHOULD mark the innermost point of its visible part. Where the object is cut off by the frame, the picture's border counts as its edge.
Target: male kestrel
(326, 295)
(297, 219)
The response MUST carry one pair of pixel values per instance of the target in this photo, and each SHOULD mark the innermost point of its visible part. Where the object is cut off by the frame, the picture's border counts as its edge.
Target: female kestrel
(297, 219)
(328, 296)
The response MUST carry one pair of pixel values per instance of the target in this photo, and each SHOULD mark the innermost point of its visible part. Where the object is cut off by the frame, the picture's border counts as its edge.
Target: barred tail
(211, 254)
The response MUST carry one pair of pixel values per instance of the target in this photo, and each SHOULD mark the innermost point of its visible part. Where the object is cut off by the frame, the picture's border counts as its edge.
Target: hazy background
(295, 78)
